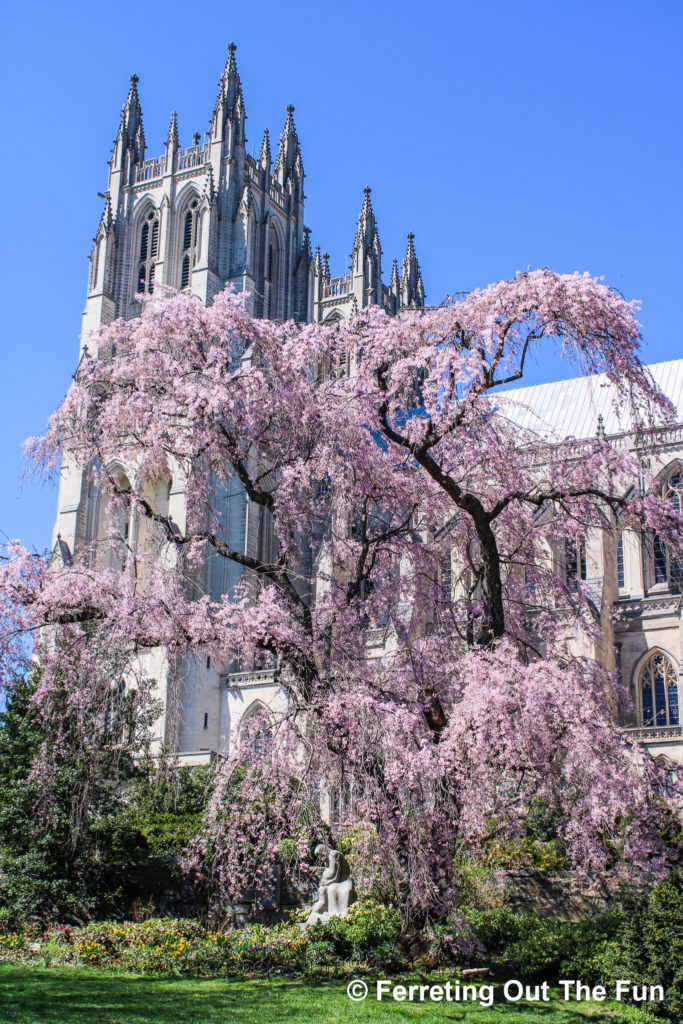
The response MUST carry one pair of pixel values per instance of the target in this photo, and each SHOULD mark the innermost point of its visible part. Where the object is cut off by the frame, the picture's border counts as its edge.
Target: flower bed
(165, 946)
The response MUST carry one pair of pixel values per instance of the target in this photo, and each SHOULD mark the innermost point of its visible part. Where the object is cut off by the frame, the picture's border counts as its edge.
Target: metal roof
(570, 408)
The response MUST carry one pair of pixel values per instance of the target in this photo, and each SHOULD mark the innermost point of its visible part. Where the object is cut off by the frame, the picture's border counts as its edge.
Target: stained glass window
(621, 576)
(189, 251)
(149, 250)
(659, 692)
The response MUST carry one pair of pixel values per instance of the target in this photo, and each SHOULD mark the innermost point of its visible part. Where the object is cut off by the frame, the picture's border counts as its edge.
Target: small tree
(67, 849)
(403, 494)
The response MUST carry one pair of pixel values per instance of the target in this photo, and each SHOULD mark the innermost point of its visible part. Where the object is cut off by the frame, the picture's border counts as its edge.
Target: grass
(70, 995)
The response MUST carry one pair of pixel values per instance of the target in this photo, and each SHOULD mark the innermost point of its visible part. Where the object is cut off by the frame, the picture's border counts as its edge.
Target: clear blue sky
(505, 135)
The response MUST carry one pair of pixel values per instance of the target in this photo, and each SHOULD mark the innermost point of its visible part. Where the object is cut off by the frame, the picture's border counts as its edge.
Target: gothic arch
(109, 540)
(255, 709)
(255, 731)
(188, 192)
(252, 240)
(275, 251)
(187, 245)
(671, 468)
(664, 569)
(141, 209)
(656, 689)
(144, 245)
(97, 259)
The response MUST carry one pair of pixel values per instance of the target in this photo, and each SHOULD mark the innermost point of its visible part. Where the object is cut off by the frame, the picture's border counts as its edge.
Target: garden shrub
(652, 940)
(454, 943)
(531, 946)
(367, 925)
(383, 958)
(320, 954)
(495, 929)
(595, 955)
(542, 946)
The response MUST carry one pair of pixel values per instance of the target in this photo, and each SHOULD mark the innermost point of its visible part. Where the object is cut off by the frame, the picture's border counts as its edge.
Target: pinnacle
(394, 280)
(288, 150)
(410, 249)
(172, 135)
(366, 233)
(230, 89)
(132, 97)
(289, 128)
(264, 155)
(131, 115)
(412, 289)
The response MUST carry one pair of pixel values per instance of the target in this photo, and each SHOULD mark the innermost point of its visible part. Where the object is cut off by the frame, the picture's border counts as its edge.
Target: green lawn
(68, 995)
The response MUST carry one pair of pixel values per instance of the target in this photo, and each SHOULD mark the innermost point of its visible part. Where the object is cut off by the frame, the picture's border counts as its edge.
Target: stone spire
(129, 144)
(318, 266)
(288, 163)
(130, 133)
(367, 236)
(394, 279)
(395, 288)
(172, 144)
(264, 156)
(306, 245)
(412, 291)
(229, 105)
(172, 134)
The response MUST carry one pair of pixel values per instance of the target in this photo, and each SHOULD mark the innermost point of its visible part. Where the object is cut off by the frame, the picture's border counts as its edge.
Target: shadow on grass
(67, 995)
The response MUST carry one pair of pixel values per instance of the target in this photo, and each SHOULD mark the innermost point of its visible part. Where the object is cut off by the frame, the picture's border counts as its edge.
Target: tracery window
(255, 731)
(273, 277)
(149, 250)
(574, 561)
(658, 687)
(667, 568)
(621, 575)
(189, 252)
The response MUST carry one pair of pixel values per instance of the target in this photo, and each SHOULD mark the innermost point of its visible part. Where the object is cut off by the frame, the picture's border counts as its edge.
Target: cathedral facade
(210, 215)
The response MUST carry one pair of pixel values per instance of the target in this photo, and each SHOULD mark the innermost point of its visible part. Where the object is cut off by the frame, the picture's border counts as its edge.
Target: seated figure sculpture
(336, 893)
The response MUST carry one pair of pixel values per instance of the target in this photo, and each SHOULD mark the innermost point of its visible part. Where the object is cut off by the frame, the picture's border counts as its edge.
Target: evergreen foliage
(102, 837)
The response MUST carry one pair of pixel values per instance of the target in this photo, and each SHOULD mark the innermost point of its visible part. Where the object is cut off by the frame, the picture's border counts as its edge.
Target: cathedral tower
(198, 218)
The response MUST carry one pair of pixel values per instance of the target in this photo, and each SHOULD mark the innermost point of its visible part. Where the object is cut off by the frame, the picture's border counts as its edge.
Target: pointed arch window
(95, 263)
(256, 733)
(575, 561)
(149, 251)
(273, 278)
(658, 689)
(189, 250)
(621, 574)
(666, 566)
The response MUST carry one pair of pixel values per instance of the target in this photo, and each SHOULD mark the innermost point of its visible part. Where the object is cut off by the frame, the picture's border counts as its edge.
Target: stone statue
(335, 894)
